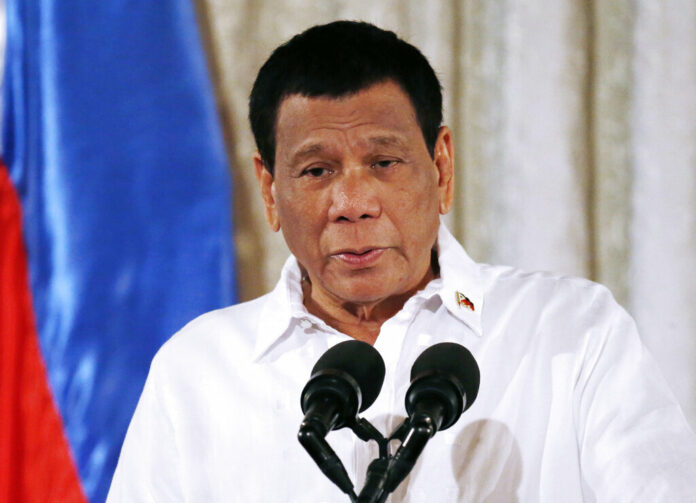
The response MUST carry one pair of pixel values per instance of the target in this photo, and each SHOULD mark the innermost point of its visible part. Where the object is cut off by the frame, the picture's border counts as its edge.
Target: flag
(117, 169)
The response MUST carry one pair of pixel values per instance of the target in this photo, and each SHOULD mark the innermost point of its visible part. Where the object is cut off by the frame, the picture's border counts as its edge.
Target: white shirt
(571, 406)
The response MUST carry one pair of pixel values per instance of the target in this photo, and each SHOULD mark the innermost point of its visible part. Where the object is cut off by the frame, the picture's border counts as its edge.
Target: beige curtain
(575, 124)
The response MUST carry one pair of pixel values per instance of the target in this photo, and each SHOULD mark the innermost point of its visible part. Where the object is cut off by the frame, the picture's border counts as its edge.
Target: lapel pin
(463, 300)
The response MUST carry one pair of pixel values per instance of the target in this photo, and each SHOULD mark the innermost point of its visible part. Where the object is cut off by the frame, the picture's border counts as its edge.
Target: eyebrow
(307, 151)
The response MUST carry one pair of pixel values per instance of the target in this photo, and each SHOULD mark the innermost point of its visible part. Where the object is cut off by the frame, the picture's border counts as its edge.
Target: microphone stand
(377, 469)
(375, 489)
(387, 471)
(311, 436)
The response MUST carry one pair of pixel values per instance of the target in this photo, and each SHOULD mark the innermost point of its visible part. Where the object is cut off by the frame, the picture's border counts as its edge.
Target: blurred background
(576, 153)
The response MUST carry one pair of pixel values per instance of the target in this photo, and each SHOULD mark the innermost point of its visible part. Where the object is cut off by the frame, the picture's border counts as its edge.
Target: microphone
(345, 380)
(444, 383)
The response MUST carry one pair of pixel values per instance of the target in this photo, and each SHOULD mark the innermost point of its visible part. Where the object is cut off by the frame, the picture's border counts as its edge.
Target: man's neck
(362, 321)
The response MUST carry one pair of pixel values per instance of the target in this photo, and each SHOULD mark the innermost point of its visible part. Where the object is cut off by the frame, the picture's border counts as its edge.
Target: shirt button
(305, 323)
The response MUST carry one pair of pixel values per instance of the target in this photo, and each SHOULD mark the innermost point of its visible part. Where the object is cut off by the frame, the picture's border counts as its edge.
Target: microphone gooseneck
(345, 380)
(444, 383)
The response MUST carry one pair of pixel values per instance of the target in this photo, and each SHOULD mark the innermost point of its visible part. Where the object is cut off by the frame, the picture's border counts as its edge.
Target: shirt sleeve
(148, 467)
(635, 444)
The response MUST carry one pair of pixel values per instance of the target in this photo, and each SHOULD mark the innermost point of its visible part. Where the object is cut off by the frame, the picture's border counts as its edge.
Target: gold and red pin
(463, 300)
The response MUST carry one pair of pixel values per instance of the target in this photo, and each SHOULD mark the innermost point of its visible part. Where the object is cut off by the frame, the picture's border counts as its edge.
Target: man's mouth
(360, 258)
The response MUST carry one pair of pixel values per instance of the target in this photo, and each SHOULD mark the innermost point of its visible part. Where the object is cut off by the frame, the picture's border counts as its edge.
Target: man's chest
(244, 443)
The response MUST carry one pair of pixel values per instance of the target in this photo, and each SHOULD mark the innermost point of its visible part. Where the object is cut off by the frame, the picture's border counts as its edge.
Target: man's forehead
(313, 147)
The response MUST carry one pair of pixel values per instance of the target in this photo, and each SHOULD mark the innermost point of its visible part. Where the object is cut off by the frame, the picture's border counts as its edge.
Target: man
(355, 169)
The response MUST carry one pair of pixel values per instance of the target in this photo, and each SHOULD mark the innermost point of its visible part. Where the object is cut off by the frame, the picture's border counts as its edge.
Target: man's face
(356, 192)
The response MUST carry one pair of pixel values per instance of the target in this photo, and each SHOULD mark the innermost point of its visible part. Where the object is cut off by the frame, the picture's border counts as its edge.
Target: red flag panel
(35, 460)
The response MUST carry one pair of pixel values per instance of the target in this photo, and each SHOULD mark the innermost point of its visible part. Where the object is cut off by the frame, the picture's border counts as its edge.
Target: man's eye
(315, 172)
(386, 163)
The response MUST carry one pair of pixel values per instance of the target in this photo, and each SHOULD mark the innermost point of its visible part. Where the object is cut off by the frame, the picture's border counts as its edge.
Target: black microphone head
(447, 372)
(361, 362)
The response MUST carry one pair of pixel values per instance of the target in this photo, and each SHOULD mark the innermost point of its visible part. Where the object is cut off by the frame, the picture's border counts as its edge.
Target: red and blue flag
(115, 227)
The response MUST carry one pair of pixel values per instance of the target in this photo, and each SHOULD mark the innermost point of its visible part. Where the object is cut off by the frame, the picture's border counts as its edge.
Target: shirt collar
(459, 287)
(282, 306)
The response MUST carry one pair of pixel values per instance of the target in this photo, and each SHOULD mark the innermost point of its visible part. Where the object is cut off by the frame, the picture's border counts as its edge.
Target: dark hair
(339, 59)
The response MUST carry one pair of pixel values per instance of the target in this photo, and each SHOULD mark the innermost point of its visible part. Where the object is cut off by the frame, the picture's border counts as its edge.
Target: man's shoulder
(510, 286)
(552, 313)
(229, 330)
(547, 299)
(543, 285)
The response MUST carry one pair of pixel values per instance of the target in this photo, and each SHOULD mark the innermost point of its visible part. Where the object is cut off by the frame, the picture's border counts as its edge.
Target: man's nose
(354, 197)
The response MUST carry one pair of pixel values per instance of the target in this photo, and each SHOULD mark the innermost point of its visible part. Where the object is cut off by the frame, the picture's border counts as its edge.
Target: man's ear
(267, 186)
(443, 158)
